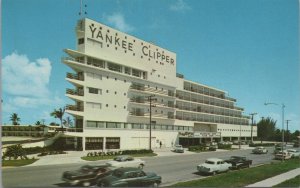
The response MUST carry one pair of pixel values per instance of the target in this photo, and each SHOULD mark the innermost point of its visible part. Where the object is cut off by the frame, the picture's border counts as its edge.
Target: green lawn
(18, 162)
(113, 156)
(294, 182)
(241, 178)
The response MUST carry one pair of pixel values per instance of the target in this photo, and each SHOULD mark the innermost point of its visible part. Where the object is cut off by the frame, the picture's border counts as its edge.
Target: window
(112, 142)
(113, 125)
(93, 90)
(81, 41)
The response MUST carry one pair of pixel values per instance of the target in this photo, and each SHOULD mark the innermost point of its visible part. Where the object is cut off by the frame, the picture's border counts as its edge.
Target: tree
(38, 123)
(266, 129)
(15, 119)
(68, 122)
(59, 114)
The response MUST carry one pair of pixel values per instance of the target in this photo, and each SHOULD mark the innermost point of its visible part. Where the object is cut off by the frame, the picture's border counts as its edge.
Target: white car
(178, 149)
(259, 150)
(126, 161)
(283, 155)
(213, 166)
(294, 153)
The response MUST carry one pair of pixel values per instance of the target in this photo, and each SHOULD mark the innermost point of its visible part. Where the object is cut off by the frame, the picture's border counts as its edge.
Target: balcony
(74, 108)
(138, 99)
(137, 113)
(231, 99)
(78, 76)
(78, 59)
(78, 92)
(238, 108)
(137, 87)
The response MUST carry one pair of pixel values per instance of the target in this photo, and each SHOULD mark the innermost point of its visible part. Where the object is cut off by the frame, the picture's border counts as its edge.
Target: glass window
(91, 124)
(112, 143)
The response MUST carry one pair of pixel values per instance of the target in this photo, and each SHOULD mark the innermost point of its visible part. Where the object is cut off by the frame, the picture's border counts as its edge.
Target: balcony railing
(137, 113)
(137, 87)
(79, 60)
(231, 99)
(74, 130)
(138, 99)
(75, 76)
(74, 108)
(78, 92)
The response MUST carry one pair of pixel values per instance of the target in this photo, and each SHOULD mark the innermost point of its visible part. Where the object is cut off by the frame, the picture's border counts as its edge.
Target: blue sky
(248, 48)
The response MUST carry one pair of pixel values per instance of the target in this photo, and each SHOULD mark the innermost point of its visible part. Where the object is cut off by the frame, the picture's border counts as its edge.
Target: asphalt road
(171, 168)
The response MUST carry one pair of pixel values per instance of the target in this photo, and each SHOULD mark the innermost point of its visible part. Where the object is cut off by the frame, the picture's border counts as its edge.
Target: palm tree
(68, 122)
(58, 114)
(38, 123)
(15, 119)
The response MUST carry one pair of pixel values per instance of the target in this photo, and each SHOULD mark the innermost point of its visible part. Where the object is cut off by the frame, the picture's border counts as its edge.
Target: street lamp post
(287, 131)
(150, 98)
(282, 109)
(252, 114)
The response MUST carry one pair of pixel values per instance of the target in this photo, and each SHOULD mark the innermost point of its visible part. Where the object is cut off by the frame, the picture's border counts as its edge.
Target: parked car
(259, 150)
(294, 153)
(238, 162)
(86, 175)
(130, 177)
(283, 155)
(126, 161)
(178, 149)
(213, 166)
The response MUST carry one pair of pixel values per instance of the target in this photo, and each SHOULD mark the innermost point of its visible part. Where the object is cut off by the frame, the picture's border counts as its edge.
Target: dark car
(238, 162)
(129, 177)
(86, 175)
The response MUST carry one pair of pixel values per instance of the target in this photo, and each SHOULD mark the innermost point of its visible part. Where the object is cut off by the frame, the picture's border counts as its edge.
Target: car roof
(126, 169)
(214, 159)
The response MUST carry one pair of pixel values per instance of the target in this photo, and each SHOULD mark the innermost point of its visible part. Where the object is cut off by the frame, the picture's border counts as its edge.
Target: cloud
(24, 78)
(180, 6)
(25, 84)
(118, 21)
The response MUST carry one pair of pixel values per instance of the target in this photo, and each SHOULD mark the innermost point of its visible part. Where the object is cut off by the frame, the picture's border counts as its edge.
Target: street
(172, 169)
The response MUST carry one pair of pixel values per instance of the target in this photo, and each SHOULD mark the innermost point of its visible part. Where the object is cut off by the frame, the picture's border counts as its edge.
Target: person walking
(160, 144)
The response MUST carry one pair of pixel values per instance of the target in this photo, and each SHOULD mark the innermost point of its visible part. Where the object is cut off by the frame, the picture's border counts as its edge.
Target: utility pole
(252, 115)
(150, 99)
(287, 131)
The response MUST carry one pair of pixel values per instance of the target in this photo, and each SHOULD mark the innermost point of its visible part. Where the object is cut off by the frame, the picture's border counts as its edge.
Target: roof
(214, 159)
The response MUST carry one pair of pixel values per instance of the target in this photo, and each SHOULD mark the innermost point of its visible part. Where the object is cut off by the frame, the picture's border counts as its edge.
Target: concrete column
(83, 143)
(104, 143)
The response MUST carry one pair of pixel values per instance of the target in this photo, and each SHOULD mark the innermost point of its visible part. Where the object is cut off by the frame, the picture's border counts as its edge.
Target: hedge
(261, 144)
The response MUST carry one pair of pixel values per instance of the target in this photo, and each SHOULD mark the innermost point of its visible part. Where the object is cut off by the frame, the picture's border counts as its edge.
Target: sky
(249, 48)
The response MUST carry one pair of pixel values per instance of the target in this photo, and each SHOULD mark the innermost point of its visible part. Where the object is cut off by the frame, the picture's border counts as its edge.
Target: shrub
(261, 144)
(224, 146)
(15, 151)
(197, 148)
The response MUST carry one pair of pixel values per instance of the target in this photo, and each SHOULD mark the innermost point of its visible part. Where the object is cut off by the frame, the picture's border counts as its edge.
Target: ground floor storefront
(110, 140)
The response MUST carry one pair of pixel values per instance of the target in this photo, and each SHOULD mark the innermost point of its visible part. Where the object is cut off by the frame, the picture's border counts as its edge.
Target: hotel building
(113, 76)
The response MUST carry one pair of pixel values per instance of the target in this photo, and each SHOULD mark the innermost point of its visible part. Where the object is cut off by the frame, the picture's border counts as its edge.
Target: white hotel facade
(114, 73)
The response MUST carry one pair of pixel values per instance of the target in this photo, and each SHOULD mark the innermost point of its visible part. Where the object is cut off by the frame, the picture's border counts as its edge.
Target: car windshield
(118, 173)
(86, 168)
(234, 157)
(209, 162)
(118, 159)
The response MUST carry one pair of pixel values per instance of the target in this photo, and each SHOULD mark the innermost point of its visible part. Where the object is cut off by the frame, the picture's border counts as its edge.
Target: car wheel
(141, 166)
(74, 182)
(155, 184)
(214, 173)
(86, 184)
(101, 184)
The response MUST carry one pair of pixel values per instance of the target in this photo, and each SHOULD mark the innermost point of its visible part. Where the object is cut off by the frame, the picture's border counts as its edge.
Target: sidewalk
(277, 179)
